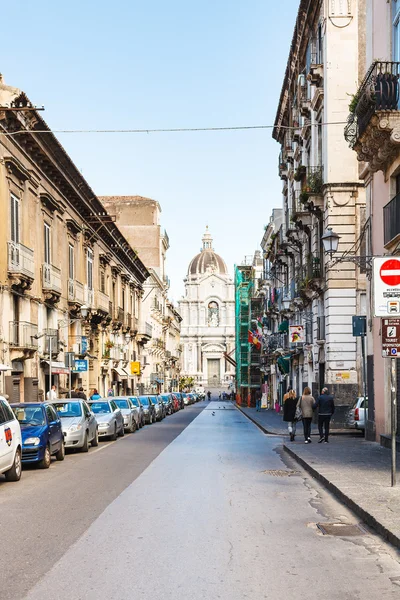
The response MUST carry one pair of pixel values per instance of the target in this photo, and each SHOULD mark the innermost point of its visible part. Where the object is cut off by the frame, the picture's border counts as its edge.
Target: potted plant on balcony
(299, 173)
(353, 102)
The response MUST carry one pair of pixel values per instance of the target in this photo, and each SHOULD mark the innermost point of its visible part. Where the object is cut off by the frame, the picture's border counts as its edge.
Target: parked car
(41, 431)
(356, 414)
(136, 402)
(10, 443)
(129, 412)
(78, 423)
(159, 406)
(109, 418)
(149, 409)
(176, 402)
(168, 402)
(179, 397)
(186, 399)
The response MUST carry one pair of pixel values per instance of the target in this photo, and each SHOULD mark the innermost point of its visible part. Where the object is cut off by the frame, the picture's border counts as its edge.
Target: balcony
(22, 335)
(145, 333)
(102, 302)
(51, 282)
(21, 266)
(391, 220)
(89, 296)
(75, 292)
(374, 119)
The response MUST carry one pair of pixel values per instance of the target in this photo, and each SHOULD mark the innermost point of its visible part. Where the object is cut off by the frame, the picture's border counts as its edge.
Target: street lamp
(330, 240)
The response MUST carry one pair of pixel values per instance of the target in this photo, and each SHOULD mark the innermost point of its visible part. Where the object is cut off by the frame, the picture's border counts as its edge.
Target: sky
(158, 64)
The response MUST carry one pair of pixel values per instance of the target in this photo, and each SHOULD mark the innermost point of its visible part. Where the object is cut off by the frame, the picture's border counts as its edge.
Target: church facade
(208, 320)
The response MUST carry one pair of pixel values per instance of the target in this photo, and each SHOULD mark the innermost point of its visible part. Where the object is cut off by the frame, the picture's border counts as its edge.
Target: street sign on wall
(386, 285)
(391, 338)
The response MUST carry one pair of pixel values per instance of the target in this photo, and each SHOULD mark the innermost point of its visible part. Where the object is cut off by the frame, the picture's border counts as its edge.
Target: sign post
(69, 362)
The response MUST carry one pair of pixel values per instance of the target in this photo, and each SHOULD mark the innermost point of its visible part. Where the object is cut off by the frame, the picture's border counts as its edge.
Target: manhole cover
(281, 473)
(345, 529)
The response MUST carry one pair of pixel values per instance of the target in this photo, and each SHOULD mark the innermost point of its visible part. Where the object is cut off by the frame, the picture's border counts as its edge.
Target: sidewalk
(270, 421)
(356, 471)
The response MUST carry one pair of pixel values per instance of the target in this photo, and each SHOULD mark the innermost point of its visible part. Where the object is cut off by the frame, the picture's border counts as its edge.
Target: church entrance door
(213, 370)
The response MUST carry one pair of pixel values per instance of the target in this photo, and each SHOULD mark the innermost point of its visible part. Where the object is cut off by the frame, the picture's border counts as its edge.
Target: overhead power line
(172, 130)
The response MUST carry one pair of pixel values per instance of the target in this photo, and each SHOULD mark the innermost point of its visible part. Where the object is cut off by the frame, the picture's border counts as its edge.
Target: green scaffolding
(244, 283)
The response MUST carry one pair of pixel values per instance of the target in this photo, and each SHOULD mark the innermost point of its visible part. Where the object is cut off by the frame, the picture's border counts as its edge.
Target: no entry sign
(386, 282)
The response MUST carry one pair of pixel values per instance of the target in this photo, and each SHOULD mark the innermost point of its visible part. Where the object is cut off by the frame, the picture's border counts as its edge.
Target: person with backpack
(290, 401)
(326, 407)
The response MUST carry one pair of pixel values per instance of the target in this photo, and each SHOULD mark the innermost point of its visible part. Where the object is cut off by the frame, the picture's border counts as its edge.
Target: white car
(356, 415)
(10, 443)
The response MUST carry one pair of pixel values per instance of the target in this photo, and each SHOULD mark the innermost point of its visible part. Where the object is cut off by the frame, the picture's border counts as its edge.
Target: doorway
(213, 371)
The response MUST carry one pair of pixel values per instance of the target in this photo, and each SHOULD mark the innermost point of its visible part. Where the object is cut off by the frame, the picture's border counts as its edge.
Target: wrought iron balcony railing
(378, 92)
(391, 219)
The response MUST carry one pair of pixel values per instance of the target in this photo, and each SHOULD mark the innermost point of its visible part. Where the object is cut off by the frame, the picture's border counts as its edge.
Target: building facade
(372, 132)
(139, 219)
(208, 320)
(69, 280)
(308, 293)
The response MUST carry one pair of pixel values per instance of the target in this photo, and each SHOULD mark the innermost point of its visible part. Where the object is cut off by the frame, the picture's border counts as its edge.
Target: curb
(257, 423)
(364, 514)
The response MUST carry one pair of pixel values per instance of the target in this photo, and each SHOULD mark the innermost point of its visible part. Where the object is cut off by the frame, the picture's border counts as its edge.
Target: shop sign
(80, 366)
(296, 334)
(135, 368)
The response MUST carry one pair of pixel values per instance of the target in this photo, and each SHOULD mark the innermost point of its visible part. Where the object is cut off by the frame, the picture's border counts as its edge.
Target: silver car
(78, 423)
(109, 418)
(136, 402)
(130, 413)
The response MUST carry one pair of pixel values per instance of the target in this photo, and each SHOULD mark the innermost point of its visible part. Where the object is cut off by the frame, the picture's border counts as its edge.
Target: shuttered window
(71, 262)
(14, 219)
(47, 249)
(396, 29)
(90, 269)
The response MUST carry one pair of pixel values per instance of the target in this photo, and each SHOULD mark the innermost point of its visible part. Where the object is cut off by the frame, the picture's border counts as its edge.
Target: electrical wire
(172, 130)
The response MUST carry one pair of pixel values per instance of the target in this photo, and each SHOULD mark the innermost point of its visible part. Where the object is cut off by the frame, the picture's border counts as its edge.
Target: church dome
(207, 260)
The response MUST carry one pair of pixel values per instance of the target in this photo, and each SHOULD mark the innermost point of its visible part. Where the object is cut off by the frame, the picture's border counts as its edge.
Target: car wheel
(121, 431)
(60, 455)
(14, 474)
(132, 428)
(85, 447)
(114, 435)
(46, 460)
(95, 440)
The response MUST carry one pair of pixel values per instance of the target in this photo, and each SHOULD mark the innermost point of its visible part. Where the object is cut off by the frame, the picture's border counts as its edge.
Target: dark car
(159, 406)
(168, 402)
(149, 409)
(41, 431)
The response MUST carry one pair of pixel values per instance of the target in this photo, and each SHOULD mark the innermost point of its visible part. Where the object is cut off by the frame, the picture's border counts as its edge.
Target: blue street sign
(83, 344)
(80, 366)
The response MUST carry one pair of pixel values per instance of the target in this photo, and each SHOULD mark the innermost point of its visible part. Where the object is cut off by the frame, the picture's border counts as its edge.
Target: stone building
(69, 279)
(138, 219)
(208, 313)
(321, 189)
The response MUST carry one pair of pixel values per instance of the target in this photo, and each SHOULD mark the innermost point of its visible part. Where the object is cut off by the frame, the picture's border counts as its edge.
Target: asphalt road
(42, 515)
(219, 514)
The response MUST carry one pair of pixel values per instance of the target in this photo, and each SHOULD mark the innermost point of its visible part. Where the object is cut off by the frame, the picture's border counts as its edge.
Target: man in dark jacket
(258, 400)
(326, 407)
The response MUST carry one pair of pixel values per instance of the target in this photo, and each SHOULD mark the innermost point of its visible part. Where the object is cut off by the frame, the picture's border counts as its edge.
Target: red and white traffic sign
(390, 272)
(386, 284)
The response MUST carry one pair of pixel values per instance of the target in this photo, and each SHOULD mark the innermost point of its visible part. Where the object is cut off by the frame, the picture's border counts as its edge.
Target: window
(71, 261)
(123, 299)
(396, 30)
(89, 268)
(213, 314)
(8, 413)
(2, 413)
(102, 281)
(14, 219)
(50, 414)
(47, 249)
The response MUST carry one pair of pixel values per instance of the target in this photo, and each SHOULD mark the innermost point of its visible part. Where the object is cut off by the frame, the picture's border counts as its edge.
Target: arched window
(213, 314)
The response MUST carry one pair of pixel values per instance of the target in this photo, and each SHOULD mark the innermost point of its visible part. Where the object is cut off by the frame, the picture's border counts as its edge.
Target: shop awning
(57, 368)
(284, 327)
(284, 364)
(121, 372)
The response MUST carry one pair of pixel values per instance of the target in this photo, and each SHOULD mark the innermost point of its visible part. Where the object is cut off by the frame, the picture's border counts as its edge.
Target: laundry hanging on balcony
(284, 327)
(284, 364)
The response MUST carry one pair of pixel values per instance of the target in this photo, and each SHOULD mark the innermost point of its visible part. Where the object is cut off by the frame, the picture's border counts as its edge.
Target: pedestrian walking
(289, 412)
(209, 395)
(326, 407)
(306, 404)
(51, 394)
(258, 400)
(95, 395)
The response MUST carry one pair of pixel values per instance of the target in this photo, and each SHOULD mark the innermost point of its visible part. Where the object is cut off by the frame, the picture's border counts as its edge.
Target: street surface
(215, 512)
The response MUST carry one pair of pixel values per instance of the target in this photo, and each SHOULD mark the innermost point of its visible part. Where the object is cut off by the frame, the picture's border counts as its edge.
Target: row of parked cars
(34, 432)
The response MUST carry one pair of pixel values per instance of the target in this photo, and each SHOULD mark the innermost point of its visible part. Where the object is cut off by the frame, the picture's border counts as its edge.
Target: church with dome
(208, 325)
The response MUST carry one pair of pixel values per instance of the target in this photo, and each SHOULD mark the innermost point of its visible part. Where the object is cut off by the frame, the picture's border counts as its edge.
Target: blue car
(41, 431)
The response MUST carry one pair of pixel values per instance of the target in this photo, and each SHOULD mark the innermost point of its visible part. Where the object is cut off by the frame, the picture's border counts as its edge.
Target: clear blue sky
(158, 64)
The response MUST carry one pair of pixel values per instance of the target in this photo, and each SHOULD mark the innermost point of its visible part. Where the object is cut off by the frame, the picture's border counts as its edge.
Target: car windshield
(100, 407)
(68, 409)
(29, 415)
(121, 403)
(144, 401)
(165, 398)
(135, 401)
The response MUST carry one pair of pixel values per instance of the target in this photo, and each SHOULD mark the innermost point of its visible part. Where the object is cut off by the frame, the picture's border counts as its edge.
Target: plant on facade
(314, 182)
(299, 173)
(353, 102)
(109, 344)
(303, 196)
